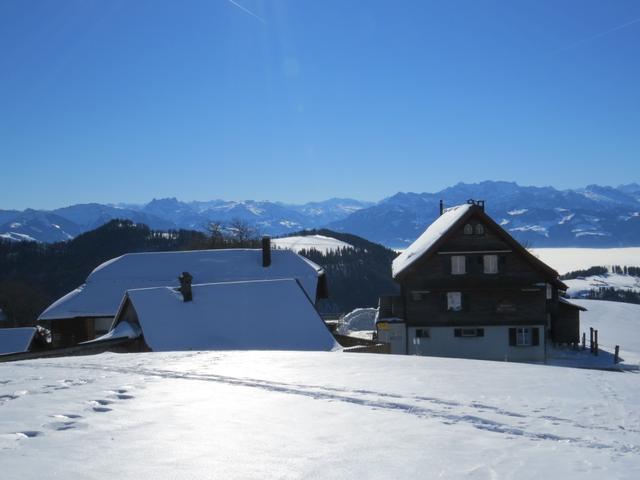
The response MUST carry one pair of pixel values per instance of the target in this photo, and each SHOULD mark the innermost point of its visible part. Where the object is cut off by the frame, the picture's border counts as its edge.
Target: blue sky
(121, 100)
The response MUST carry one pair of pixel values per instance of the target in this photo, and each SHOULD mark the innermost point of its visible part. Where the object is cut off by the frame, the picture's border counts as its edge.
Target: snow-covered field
(318, 242)
(614, 280)
(314, 415)
(569, 259)
(617, 324)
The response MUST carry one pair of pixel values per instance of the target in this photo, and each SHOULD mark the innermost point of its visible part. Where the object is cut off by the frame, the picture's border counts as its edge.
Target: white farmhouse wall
(395, 335)
(494, 345)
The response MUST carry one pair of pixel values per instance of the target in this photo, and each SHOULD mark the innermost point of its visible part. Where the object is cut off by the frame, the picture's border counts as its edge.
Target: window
(454, 301)
(458, 265)
(468, 229)
(479, 229)
(523, 337)
(490, 264)
(549, 291)
(468, 332)
(422, 333)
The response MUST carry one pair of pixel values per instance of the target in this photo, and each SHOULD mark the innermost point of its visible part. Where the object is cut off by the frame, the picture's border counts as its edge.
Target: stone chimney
(185, 286)
(266, 251)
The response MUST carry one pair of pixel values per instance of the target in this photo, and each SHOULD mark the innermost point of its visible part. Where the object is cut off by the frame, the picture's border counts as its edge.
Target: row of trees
(600, 270)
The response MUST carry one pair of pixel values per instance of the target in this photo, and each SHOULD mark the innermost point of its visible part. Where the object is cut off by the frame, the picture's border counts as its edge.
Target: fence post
(584, 340)
(616, 356)
(591, 339)
(596, 342)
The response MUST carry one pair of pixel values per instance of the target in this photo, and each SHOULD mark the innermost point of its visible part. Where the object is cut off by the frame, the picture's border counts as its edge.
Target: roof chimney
(441, 207)
(266, 251)
(185, 286)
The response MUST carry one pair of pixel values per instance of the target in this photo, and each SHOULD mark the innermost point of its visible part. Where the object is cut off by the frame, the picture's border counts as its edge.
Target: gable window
(458, 265)
(479, 229)
(490, 264)
(454, 301)
(549, 291)
(468, 229)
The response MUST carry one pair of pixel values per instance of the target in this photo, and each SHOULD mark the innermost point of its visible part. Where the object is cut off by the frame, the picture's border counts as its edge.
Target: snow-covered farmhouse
(248, 315)
(469, 289)
(88, 311)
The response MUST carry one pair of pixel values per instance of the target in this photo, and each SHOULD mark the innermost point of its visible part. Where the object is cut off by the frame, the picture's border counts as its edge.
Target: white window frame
(490, 263)
(479, 229)
(454, 301)
(524, 337)
(468, 229)
(458, 264)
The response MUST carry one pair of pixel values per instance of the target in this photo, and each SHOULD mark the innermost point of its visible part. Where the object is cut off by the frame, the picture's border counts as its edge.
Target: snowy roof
(571, 304)
(430, 236)
(254, 315)
(102, 293)
(14, 340)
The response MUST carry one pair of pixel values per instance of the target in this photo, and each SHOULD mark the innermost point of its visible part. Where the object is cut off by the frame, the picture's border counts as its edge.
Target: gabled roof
(102, 293)
(255, 315)
(446, 224)
(15, 340)
(425, 242)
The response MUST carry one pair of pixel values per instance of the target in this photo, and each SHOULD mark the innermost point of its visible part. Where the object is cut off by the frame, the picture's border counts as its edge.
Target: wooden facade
(475, 275)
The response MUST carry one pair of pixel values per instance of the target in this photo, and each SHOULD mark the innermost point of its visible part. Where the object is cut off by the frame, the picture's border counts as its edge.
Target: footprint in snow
(29, 434)
(101, 409)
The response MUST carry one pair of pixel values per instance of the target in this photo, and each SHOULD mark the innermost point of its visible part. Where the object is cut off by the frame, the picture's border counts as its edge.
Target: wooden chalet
(469, 289)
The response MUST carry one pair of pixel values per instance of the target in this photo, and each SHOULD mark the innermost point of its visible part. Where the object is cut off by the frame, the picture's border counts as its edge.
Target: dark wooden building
(469, 289)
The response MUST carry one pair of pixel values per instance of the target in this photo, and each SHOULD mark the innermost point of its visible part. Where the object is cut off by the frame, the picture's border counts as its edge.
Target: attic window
(479, 229)
(468, 229)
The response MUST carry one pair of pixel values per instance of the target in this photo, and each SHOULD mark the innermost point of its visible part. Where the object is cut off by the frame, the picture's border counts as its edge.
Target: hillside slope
(287, 415)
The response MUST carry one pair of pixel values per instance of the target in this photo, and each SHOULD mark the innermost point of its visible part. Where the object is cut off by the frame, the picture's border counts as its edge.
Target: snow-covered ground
(617, 324)
(318, 242)
(570, 259)
(615, 280)
(314, 415)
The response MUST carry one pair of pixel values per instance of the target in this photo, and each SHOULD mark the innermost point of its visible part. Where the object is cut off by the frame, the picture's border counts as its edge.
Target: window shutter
(457, 332)
(502, 263)
(465, 302)
(443, 302)
(480, 332)
(535, 336)
(512, 337)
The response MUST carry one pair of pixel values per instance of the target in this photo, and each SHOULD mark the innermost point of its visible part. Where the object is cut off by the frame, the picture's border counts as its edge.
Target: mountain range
(593, 216)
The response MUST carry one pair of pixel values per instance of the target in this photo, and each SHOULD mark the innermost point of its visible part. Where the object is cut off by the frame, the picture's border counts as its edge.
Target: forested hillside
(33, 275)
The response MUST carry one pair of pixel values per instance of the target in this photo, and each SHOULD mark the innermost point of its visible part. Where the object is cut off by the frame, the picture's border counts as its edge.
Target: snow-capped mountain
(36, 225)
(593, 216)
(538, 216)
